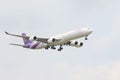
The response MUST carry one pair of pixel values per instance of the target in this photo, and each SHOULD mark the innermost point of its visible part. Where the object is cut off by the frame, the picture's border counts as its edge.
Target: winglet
(6, 32)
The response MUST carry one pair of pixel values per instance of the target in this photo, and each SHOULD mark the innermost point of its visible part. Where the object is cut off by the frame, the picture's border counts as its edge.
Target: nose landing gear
(86, 37)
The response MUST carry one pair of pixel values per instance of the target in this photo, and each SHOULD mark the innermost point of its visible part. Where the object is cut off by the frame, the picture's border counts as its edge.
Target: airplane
(33, 42)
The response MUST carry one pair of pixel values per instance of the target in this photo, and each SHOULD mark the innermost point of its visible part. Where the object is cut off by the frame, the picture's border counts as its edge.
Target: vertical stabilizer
(26, 41)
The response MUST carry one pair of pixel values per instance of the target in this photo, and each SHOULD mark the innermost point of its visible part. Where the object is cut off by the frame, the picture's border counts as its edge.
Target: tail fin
(26, 41)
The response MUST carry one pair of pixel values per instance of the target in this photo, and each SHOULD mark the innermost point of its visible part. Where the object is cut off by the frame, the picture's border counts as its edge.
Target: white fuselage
(66, 37)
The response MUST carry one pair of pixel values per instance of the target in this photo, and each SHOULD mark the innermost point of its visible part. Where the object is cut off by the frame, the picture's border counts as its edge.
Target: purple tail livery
(26, 41)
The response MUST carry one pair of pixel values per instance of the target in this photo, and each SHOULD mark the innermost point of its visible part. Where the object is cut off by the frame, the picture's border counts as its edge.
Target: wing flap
(45, 40)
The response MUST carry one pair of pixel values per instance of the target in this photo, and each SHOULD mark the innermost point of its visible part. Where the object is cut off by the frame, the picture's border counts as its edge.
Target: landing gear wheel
(47, 47)
(60, 48)
(52, 47)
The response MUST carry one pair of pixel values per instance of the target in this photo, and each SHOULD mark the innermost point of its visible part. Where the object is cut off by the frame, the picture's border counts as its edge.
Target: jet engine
(51, 40)
(32, 38)
(76, 44)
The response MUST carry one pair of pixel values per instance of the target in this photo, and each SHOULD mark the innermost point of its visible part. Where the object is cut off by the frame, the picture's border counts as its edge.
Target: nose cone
(87, 30)
(90, 31)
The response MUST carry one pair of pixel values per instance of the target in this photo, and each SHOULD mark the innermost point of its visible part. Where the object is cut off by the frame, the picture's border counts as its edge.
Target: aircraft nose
(90, 31)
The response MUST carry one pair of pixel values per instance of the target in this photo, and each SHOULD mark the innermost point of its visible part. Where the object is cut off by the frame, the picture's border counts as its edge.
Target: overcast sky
(98, 59)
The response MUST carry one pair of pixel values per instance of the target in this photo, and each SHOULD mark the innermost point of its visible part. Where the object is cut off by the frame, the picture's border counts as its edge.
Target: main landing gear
(53, 47)
(60, 48)
(47, 47)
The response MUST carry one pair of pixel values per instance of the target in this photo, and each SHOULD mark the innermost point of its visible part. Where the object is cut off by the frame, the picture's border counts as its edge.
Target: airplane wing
(44, 40)
(27, 37)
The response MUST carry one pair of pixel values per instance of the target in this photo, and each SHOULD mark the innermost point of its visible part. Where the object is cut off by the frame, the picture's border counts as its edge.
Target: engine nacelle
(32, 38)
(76, 44)
(51, 40)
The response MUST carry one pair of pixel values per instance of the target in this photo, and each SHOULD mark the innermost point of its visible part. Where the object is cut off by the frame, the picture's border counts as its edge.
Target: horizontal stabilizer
(17, 45)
